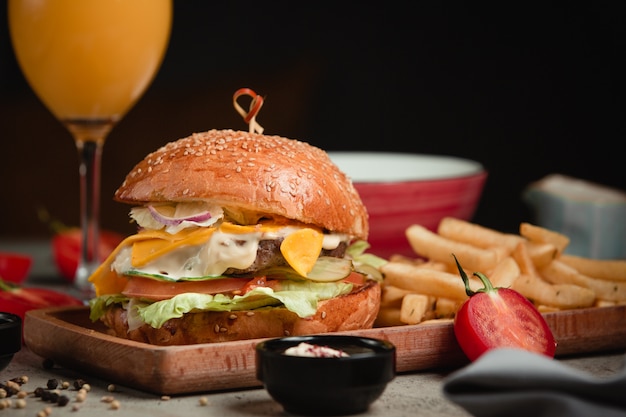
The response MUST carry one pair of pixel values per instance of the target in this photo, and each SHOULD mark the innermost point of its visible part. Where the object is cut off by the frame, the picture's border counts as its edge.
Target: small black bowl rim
(277, 346)
(11, 333)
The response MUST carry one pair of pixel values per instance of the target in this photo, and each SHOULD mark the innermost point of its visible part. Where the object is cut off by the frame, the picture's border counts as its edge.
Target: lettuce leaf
(300, 297)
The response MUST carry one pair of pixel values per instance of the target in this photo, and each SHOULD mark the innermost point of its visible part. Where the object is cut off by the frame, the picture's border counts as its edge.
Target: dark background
(526, 90)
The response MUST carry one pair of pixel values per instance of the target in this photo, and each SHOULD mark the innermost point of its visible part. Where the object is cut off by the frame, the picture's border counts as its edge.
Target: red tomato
(355, 278)
(152, 289)
(499, 317)
(14, 267)
(66, 249)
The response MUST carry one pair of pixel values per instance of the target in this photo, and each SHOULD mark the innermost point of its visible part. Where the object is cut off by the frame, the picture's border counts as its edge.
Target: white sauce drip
(220, 252)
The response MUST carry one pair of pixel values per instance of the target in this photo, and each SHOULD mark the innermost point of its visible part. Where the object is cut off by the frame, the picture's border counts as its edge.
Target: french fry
(532, 286)
(416, 308)
(614, 270)
(604, 303)
(505, 273)
(446, 307)
(525, 263)
(541, 253)
(424, 280)
(438, 248)
(542, 235)
(406, 259)
(562, 296)
(558, 272)
(419, 262)
(388, 316)
(476, 235)
(392, 296)
(437, 321)
(434, 265)
(547, 309)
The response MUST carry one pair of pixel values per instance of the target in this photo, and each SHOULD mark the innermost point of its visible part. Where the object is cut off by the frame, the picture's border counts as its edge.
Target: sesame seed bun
(250, 172)
(354, 311)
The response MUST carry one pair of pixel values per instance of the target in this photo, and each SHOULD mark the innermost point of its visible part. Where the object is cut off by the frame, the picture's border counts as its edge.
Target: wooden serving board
(67, 336)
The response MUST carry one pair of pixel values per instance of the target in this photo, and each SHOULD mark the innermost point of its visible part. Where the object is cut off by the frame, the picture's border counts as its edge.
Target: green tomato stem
(488, 287)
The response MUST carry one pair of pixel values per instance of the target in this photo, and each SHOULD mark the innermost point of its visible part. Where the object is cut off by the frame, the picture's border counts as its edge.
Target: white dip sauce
(315, 351)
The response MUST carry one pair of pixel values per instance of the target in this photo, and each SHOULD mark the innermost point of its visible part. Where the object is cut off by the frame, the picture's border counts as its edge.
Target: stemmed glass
(89, 61)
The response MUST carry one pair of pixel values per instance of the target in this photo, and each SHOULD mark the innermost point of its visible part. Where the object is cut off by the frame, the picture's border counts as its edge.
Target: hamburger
(239, 236)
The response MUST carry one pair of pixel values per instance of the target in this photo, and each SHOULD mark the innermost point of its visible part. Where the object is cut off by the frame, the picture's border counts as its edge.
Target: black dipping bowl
(10, 337)
(316, 386)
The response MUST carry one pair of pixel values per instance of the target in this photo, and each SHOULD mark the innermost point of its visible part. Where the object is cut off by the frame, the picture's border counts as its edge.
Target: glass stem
(89, 136)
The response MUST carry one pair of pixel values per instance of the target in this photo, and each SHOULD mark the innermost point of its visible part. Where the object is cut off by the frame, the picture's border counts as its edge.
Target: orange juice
(89, 59)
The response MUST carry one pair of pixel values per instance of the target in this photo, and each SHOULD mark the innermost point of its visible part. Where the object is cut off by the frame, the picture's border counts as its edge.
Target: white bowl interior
(393, 167)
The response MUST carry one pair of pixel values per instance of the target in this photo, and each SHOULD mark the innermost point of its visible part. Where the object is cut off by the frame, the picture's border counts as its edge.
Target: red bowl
(14, 267)
(400, 189)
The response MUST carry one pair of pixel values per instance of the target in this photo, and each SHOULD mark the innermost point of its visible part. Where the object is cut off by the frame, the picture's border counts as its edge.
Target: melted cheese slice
(158, 243)
(301, 248)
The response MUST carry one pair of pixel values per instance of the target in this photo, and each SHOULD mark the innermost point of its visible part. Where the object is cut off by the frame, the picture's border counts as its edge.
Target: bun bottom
(353, 311)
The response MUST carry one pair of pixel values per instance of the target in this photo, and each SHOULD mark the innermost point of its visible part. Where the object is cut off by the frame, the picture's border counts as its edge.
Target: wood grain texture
(67, 336)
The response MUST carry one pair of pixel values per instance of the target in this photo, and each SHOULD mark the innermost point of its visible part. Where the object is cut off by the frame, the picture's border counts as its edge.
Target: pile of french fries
(429, 287)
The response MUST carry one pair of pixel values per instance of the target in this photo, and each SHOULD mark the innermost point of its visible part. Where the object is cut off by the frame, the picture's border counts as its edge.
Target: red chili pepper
(18, 300)
(66, 249)
(499, 317)
(14, 267)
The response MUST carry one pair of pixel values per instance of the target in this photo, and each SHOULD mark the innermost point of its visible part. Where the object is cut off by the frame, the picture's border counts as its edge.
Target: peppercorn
(78, 384)
(45, 395)
(54, 397)
(11, 388)
(63, 400)
(53, 383)
(21, 380)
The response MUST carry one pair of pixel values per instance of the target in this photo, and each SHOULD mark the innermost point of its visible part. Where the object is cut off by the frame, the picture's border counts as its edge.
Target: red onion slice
(174, 221)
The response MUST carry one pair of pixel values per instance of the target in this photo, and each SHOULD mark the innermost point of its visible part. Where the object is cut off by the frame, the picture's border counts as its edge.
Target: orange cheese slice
(146, 245)
(158, 243)
(104, 279)
(302, 248)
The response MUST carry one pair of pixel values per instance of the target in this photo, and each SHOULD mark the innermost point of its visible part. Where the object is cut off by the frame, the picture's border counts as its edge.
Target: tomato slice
(152, 289)
(503, 319)
(355, 278)
(500, 317)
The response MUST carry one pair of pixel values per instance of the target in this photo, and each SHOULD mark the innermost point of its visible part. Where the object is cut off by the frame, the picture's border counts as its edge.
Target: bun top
(251, 173)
